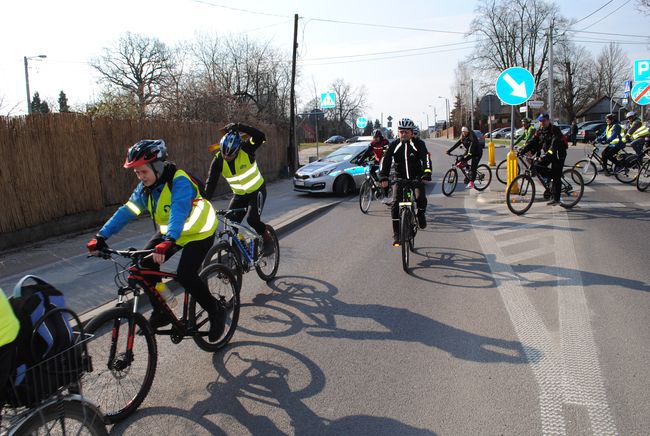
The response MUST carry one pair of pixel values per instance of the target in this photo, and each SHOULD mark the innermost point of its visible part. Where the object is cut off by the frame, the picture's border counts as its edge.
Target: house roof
(593, 106)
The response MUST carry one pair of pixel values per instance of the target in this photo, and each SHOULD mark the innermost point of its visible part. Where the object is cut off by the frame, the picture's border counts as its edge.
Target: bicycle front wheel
(643, 181)
(405, 220)
(627, 174)
(587, 170)
(65, 417)
(224, 289)
(520, 194)
(224, 253)
(449, 182)
(483, 177)
(267, 265)
(572, 188)
(121, 377)
(502, 171)
(365, 196)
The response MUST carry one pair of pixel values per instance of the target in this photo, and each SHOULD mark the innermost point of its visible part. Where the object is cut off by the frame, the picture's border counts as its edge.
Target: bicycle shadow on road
(466, 268)
(315, 300)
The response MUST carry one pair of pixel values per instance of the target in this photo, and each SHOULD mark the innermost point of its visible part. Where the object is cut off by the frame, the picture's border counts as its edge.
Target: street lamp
(447, 111)
(29, 97)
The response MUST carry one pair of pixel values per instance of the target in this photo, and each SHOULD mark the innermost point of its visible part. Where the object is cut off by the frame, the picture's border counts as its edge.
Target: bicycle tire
(101, 327)
(627, 175)
(643, 181)
(481, 172)
(228, 299)
(502, 171)
(68, 409)
(526, 191)
(268, 276)
(365, 196)
(223, 253)
(449, 182)
(405, 236)
(574, 194)
(587, 170)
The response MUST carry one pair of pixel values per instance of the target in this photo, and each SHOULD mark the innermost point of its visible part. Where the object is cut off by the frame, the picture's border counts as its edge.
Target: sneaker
(470, 185)
(268, 246)
(422, 220)
(466, 180)
(396, 242)
(217, 318)
(553, 203)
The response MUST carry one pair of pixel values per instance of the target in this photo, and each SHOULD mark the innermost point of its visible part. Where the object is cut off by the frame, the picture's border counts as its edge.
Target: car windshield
(346, 153)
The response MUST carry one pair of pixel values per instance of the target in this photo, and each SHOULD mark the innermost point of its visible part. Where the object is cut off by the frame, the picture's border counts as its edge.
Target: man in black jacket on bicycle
(412, 162)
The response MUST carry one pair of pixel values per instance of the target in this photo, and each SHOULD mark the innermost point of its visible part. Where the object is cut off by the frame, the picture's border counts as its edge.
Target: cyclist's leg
(557, 165)
(157, 318)
(607, 155)
(7, 356)
(637, 145)
(256, 202)
(237, 202)
(421, 201)
(394, 211)
(475, 160)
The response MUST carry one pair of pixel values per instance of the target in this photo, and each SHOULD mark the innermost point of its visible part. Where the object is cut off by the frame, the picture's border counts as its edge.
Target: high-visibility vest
(247, 177)
(200, 224)
(641, 132)
(9, 324)
(608, 133)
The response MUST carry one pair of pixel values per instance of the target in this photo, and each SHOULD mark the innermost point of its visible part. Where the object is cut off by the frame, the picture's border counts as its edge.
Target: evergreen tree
(36, 103)
(45, 108)
(377, 124)
(63, 103)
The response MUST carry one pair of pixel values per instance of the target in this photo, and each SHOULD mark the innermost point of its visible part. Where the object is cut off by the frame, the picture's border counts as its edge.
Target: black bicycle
(520, 194)
(124, 345)
(450, 180)
(643, 180)
(408, 225)
(625, 166)
(371, 190)
(240, 249)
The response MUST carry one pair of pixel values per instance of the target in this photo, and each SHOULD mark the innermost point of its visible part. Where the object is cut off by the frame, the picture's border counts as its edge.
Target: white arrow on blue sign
(515, 85)
(642, 70)
(327, 100)
(362, 122)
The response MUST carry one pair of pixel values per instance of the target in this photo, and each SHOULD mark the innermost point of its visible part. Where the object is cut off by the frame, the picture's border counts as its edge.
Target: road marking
(565, 365)
(599, 205)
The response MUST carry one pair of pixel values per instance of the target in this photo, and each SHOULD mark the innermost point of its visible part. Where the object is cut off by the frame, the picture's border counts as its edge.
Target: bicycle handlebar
(132, 254)
(227, 211)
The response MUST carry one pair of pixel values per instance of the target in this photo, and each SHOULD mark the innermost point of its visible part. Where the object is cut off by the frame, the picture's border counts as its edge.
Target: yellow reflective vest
(9, 324)
(641, 132)
(608, 133)
(247, 177)
(200, 224)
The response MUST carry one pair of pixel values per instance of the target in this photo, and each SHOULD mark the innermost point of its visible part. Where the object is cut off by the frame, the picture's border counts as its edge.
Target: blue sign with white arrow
(362, 122)
(515, 86)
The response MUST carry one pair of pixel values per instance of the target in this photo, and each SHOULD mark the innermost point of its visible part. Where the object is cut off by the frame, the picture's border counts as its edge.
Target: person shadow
(316, 300)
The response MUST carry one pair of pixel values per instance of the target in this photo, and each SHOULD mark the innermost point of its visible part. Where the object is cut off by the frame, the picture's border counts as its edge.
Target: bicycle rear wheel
(224, 289)
(267, 266)
(449, 182)
(628, 174)
(65, 417)
(365, 196)
(572, 188)
(587, 170)
(483, 177)
(520, 194)
(223, 253)
(502, 171)
(118, 384)
(643, 181)
(405, 236)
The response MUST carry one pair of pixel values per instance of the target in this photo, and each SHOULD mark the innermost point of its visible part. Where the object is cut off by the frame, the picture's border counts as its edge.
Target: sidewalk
(88, 283)
(323, 150)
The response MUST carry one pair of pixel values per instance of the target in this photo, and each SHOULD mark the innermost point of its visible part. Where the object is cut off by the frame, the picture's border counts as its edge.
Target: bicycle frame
(231, 230)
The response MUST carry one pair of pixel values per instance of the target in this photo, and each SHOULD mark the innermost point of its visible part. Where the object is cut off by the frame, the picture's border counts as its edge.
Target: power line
(606, 16)
(597, 10)
(613, 34)
(248, 11)
(384, 26)
(390, 57)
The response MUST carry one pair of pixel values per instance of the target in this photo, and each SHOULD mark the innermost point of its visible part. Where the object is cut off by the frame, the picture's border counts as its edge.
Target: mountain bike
(46, 398)
(502, 168)
(371, 190)
(450, 180)
(239, 248)
(624, 166)
(124, 343)
(643, 180)
(408, 225)
(520, 194)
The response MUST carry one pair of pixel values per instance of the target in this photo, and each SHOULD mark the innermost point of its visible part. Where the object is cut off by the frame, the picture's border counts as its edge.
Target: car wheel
(343, 186)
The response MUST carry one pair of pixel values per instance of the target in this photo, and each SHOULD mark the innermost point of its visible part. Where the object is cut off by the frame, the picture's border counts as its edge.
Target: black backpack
(45, 357)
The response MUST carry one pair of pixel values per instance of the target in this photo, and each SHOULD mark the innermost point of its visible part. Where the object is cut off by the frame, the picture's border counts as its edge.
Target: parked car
(358, 139)
(500, 133)
(336, 139)
(352, 139)
(589, 132)
(481, 137)
(338, 172)
(494, 132)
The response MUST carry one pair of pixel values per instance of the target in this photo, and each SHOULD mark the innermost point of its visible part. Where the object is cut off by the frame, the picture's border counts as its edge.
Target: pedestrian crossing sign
(327, 100)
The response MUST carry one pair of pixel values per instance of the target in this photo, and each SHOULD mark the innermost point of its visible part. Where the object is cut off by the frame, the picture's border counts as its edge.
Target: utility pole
(29, 103)
(292, 152)
(472, 105)
(551, 101)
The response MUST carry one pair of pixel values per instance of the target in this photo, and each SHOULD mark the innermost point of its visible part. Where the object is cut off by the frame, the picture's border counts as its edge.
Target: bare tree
(609, 72)
(644, 6)
(350, 103)
(138, 65)
(7, 110)
(574, 64)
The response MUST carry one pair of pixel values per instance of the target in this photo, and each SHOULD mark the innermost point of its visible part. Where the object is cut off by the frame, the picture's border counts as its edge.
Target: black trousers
(554, 173)
(254, 203)
(473, 161)
(638, 145)
(189, 266)
(609, 153)
(420, 200)
(7, 363)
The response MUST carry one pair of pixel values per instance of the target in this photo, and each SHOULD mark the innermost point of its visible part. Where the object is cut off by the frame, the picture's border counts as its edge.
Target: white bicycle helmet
(406, 123)
(630, 114)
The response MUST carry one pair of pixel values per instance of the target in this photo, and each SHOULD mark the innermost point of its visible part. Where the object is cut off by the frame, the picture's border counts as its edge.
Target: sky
(402, 81)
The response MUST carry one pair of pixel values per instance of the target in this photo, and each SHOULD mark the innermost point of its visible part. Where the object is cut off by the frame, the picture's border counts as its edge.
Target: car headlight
(322, 173)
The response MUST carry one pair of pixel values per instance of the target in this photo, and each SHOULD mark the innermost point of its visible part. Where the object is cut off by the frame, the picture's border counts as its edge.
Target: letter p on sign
(642, 70)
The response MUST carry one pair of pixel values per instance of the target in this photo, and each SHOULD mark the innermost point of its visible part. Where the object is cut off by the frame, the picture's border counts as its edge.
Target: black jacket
(550, 140)
(471, 144)
(249, 146)
(411, 159)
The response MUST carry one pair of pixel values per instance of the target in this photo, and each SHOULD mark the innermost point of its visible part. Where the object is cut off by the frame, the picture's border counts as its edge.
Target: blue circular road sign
(515, 85)
(641, 93)
(362, 122)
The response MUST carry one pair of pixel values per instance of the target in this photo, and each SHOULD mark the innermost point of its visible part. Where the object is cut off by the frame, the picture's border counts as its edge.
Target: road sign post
(514, 86)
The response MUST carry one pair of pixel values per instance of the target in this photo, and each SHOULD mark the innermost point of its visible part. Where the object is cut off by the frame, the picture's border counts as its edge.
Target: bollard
(512, 170)
(491, 160)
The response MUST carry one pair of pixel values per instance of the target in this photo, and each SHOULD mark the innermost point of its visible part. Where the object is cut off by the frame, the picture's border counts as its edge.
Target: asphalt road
(506, 325)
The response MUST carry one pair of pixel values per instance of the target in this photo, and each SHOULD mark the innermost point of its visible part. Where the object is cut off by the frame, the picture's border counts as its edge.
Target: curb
(282, 226)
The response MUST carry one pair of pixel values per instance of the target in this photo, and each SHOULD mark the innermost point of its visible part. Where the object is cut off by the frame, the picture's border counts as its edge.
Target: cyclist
(235, 159)
(412, 162)
(9, 327)
(612, 137)
(473, 153)
(550, 140)
(185, 221)
(635, 133)
(529, 131)
(375, 152)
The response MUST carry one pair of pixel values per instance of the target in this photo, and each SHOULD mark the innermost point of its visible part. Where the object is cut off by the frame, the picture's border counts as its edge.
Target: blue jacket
(616, 133)
(182, 195)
